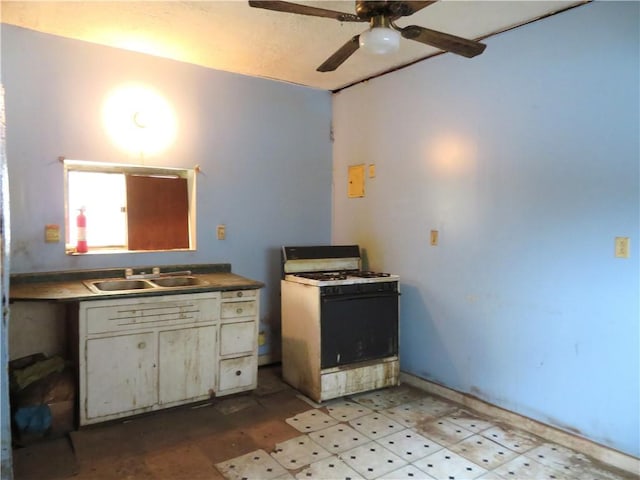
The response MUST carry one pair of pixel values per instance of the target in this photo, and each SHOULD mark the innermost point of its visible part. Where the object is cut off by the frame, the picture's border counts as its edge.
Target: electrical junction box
(356, 181)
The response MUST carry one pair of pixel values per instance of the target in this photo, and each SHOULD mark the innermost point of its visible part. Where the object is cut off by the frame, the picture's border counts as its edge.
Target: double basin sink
(126, 285)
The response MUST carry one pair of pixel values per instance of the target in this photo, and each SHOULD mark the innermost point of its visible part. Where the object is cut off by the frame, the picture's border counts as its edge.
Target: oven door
(358, 327)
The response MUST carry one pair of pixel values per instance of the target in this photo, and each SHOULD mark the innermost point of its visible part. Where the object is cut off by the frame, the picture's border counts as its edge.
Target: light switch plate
(433, 238)
(221, 231)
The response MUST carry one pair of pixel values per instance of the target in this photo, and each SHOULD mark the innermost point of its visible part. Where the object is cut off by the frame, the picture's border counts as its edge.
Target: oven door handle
(358, 296)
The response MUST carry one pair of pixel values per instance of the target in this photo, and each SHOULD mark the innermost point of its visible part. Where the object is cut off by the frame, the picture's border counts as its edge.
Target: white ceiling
(234, 37)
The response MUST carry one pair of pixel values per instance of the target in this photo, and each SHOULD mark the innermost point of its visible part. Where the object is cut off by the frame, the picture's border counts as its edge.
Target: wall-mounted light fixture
(139, 120)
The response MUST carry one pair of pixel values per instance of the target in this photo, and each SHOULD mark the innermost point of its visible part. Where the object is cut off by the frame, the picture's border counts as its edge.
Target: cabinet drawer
(237, 373)
(125, 316)
(237, 338)
(240, 294)
(238, 309)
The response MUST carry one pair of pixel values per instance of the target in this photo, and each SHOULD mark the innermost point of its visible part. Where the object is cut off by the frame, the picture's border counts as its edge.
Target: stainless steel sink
(117, 285)
(178, 282)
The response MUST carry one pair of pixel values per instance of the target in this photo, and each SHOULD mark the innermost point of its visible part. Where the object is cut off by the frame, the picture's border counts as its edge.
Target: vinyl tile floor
(276, 433)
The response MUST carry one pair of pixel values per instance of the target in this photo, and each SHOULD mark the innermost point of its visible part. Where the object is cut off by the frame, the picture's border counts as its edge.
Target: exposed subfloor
(276, 433)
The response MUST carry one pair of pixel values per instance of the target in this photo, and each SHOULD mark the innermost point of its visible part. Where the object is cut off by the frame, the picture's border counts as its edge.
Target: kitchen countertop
(69, 286)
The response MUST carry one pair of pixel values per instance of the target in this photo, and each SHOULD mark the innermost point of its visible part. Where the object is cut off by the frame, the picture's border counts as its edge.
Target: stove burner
(324, 275)
(368, 274)
(327, 276)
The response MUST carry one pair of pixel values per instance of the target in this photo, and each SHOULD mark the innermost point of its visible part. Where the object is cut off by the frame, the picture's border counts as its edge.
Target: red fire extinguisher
(81, 223)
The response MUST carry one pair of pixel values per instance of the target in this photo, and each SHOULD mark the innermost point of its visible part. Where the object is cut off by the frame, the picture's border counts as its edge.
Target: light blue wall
(526, 159)
(263, 146)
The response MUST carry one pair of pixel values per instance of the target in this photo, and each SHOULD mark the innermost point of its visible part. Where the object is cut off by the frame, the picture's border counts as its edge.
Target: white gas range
(328, 265)
(339, 323)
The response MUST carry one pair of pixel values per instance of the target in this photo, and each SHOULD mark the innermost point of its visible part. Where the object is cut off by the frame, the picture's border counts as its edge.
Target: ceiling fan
(383, 35)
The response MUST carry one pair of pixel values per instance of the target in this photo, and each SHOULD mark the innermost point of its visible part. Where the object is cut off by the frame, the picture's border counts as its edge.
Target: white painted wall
(263, 146)
(526, 160)
(38, 327)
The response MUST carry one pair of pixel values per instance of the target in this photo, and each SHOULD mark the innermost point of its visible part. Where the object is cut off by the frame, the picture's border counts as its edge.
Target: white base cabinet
(142, 354)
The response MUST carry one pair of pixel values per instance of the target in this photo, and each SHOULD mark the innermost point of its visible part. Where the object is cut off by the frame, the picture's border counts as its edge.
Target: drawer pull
(238, 310)
(240, 294)
(238, 373)
(142, 345)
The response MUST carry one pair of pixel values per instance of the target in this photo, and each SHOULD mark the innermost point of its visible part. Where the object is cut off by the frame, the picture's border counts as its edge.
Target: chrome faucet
(129, 275)
(155, 273)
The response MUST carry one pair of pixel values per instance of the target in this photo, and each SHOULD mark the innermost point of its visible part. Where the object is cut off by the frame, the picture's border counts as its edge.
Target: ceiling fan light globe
(380, 41)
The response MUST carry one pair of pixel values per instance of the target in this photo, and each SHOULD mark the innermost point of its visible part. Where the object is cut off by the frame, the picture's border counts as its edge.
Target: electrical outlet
(52, 233)
(622, 247)
(221, 231)
(434, 238)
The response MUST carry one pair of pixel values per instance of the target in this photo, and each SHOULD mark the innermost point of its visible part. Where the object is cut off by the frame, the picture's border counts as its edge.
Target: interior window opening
(128, 208)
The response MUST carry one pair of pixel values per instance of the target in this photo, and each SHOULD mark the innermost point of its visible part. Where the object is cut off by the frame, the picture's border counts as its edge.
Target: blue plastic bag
(33, 419)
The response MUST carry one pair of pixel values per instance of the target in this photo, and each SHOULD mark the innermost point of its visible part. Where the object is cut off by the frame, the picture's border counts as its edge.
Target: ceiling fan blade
(338, 58)
(443, 41)
(289, 7)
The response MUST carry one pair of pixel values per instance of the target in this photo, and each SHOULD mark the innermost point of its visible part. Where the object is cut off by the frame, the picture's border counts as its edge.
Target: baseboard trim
(601, 453)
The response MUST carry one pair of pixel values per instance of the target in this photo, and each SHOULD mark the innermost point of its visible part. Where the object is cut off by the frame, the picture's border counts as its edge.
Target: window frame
(129, 169)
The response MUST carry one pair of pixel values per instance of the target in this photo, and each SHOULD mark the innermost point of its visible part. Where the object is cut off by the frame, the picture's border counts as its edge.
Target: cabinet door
(187, 360)
(120, 374)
